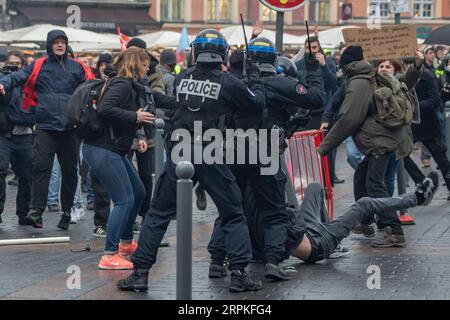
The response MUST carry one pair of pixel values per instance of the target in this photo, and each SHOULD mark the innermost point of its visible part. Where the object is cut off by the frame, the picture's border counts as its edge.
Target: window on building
(383, 5)
(319, 11)
(424, 8)
(267, 14)
(172, 10)
(219, 10)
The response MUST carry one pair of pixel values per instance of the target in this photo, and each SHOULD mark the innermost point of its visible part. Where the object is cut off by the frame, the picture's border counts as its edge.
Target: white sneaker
(74, 216)
(81, 213)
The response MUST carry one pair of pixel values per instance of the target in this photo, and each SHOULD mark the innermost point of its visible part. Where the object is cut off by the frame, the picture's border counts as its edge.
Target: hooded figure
(48, 84)
(104, 58)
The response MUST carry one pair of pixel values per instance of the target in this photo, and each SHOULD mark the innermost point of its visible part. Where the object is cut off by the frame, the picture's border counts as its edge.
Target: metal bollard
(184, 171)
(159, 148)
(447, 127)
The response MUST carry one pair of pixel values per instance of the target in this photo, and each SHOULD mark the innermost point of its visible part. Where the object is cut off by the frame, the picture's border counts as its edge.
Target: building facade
(132, 16)
(199, 14)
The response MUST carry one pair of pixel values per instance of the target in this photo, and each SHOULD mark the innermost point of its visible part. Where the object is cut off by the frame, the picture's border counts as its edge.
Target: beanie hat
(104, 57)
(351, 54)
(168, 57)
(136, 42)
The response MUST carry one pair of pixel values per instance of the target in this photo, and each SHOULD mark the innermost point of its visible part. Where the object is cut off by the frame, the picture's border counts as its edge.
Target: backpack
(394, 102)
(83, 104)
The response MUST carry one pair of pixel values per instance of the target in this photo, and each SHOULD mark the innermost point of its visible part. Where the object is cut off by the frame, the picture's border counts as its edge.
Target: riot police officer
(203, 93)
(284, 97)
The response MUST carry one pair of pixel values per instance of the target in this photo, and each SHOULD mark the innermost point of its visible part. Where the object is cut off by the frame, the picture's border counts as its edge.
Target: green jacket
(155, 81)
(357, 118)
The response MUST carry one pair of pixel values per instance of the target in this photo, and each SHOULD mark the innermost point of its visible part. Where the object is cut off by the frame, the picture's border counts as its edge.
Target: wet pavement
(418, 271)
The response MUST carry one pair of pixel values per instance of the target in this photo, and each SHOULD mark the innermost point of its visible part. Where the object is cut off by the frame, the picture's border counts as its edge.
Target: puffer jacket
(357, 118)
(56, 82)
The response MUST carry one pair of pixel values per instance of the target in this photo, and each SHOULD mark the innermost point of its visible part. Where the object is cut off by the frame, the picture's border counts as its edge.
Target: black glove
(312, 64)
(253, 72)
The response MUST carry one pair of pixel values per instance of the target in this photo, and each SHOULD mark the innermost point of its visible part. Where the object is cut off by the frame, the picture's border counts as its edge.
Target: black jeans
(145, 168)
(220, 184)
(438, 151)
(46, 145)
(325, 235)
(102, 202)
(270, 199)
(369, 182)
(17, 149)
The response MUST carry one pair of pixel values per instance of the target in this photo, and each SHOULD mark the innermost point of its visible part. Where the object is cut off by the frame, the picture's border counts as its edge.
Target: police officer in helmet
(203, 93)
(286, 67)
(284, 97)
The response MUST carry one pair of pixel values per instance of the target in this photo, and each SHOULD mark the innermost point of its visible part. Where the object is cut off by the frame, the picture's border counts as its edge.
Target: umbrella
(38, 33)
(439, 36)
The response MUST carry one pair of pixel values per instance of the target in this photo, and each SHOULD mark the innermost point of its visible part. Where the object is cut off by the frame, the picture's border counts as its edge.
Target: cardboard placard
(390, 42)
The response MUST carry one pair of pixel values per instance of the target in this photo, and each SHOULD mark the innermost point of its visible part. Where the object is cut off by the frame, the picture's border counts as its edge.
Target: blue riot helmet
(210, 46)
(286, 67)
(263, 52)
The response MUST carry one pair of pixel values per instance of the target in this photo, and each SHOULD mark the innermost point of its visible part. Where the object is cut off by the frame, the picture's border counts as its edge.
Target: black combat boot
(137, 281)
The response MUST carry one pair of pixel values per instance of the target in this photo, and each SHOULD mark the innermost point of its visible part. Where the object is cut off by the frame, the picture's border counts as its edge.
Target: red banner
(283, 5)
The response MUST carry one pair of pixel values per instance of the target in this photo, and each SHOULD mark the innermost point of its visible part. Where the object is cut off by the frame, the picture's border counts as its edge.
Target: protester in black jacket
(106, 155)
(428, 131)
(16, 142)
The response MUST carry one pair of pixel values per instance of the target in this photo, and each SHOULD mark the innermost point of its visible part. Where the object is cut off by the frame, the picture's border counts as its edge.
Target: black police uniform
(204, 94)
(284, 96)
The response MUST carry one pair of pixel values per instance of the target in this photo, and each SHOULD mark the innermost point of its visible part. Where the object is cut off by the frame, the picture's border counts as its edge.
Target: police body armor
(197, 96)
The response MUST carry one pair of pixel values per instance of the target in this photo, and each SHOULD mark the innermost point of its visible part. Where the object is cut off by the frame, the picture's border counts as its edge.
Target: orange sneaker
(114, 262)
(127, 250)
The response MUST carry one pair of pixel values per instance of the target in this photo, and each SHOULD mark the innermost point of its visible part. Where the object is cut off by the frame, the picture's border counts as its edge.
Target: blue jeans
(54, 185)
(122, 183)
(354, 156)
(90, 188)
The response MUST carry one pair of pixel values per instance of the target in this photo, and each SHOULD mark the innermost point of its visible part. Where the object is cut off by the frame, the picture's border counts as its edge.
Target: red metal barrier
(305, 165)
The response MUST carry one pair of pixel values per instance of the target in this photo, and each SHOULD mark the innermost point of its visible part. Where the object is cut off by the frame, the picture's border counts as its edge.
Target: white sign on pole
(399, 6)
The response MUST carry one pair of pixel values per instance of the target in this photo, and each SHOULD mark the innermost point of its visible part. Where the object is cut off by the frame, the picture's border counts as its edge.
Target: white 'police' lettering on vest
(205, 89)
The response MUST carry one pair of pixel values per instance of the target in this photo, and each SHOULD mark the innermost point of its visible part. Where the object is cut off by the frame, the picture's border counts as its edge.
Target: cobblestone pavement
(418, 271)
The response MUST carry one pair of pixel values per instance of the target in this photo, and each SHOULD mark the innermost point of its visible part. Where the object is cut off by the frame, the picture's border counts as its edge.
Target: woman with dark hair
(410, 78)
(106, 155)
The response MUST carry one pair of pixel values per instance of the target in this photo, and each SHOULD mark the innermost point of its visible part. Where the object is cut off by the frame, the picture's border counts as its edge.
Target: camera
(7, 69)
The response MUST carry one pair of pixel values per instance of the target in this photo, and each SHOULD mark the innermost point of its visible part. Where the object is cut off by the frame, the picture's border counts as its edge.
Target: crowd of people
(378, 109)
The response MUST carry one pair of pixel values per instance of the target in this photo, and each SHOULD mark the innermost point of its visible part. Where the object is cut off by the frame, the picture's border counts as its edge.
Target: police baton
(309, 41)
(244, 64)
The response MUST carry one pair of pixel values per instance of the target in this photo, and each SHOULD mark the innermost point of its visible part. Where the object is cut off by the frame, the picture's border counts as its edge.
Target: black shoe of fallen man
(64, 223)
(390, 240)
(217, 271)
(137, 281)
(201, 198)
(1, 221)
(427, 189)
(275, 273)
(241, 282)
(34, 219)
(365, 230)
